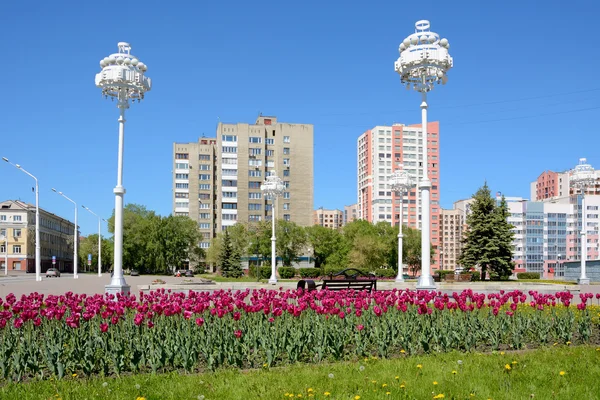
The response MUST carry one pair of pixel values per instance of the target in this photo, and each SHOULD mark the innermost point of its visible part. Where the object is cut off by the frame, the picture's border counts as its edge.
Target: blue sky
(522, 96)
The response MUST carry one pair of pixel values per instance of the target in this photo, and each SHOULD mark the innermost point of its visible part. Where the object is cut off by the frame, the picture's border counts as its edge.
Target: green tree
(229, 260)
(411, 249)
(488, 239)
(291, 241)
(325, 243)
(89, 245)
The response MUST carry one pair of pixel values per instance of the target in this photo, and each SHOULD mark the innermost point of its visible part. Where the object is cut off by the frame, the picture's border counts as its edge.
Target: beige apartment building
(17, 227)
(453, 224)
(350, 213)
(217, 181)
(333, 219)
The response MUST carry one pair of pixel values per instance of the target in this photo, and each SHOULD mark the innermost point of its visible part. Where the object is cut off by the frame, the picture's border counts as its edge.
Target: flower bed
(162, 331)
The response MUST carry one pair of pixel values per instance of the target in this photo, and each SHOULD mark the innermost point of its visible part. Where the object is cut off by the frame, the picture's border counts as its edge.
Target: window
(286, 150)
(204, 157)
(3, 232)
(228, 183)
(286, 139)
(17, 249)
(204, 196)
(2, 248)
(253, 185)
(286, 195)
(286, 206)
(270, 141)
(286, 184)
(270, 153)
(204, 225)
(204, 186)
(286, 172)
(203, 206)
(229, 217)
(182, 185)
(18, 218)
(254, 207)
(2, 217)
(182, 176)
(230, 195)
(182, 166)
(229, 206)
(254, 218)
(229, 171)
(229, 138)
(286, 217)
(181, 204)
(286, 161)
(254, 195)
(254, 163)
(255, 139)
(204, 167)
(204, 245)
(182, 156)
(229, 149)
(229, 161)
(204, 216)
(254, 173)
(255, 152)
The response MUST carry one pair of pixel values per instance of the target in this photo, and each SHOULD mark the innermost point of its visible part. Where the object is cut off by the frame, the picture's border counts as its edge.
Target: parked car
(133, 272)
(184, 272)
(52, 272)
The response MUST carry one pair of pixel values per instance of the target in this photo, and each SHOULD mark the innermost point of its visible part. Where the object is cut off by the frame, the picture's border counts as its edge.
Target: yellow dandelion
(299, 395)
(310, 390)
(384, 385)
(568, 343)
(373, 381)
(502, 353)
(514, 363)
(419, 366)
(388, 393)
(454, 372)
(434, 383)
(439, 396)
(472, 395)
(311, 395)
(265, 365)
(507, 367)
(140, 398)
(74, 375)
(397, 377)
(555, 344)
(326, 394)
(562, 373)
(402, 351)
(403, 386)
(356, 397)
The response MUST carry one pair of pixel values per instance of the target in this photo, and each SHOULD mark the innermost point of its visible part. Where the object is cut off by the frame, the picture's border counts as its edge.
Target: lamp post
(100, 219)
(122, 77)
(272, 188)
(38, 249)
(400, 182)
(423, 62)
(5, 240)
(75, 235)
(557, 273)
(582, 177)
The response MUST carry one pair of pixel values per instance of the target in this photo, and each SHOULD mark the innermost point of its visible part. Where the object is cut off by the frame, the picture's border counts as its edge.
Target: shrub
(475, 276)
(385, 273)
(287, 272)
(265, 272)
(310, 272)
(528, 275)
(334, 270)
(443, 272)
(495, 277)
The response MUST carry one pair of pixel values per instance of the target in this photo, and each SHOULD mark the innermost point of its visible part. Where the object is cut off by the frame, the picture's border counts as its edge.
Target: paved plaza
(21, 283)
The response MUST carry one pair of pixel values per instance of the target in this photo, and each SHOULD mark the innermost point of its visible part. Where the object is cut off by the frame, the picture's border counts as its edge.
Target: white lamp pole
(400, 182)
(423, 62)
(38, 249)
(582, 177)
(5, 240)
(122, 77)
(100, 219)
(272, 188)
(75, 236)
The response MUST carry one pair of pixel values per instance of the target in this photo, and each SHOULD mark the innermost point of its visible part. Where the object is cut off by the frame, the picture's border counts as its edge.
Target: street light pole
(582, 177)
(100, 219)
(423, 62)
(400, 182)
(38, 248)
(75, 236)
(122, 77)
(272, 188)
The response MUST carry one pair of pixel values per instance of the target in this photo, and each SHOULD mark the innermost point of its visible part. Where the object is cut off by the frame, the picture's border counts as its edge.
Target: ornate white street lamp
(272, 188)
(100, 219)
(122, 78)
(582, 177)
(75, 236)
(400, 182)
(423, 63)
(38, 248)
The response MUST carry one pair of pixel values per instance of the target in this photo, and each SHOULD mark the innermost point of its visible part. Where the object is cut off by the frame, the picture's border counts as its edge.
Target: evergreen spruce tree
(488, 239)
(229, 259)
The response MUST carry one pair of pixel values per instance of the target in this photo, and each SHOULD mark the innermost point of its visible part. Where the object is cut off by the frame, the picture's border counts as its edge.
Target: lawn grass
(532, 374)
(547, 281)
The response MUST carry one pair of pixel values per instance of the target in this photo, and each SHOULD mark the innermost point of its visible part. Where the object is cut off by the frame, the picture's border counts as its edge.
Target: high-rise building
(451, 233)
(217, 181)
(17, 226)
(551, 185)
(350, 213)
(332, 219)
(380, 151)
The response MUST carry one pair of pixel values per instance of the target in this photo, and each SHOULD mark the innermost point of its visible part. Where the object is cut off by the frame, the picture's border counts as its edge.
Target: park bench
(457, 278)
(350, 278)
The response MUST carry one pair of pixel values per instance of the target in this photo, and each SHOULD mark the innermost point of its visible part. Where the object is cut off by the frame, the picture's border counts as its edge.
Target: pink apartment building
(381, 150)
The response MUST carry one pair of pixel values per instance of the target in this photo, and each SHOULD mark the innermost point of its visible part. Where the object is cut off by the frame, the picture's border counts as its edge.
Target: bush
(385, 273)
(334, 270)
(495, 277)
(310, 272)
(287, 272)
(528, 275)
(443, 272)
(475, 276)
(265, 272)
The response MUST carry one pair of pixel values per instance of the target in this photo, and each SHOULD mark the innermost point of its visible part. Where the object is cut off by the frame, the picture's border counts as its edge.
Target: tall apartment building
(17, 226)
(453, 224)
(350, 213)
(224, 187)
(333, 219)
(380, 151)
(550, 185)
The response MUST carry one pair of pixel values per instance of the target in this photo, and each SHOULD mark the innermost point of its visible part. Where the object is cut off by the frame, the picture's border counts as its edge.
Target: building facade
(452, 223)
(333, 219)
(17, 226)
(217, 181)
(551, 185)
(381, 151)
(350, 213)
